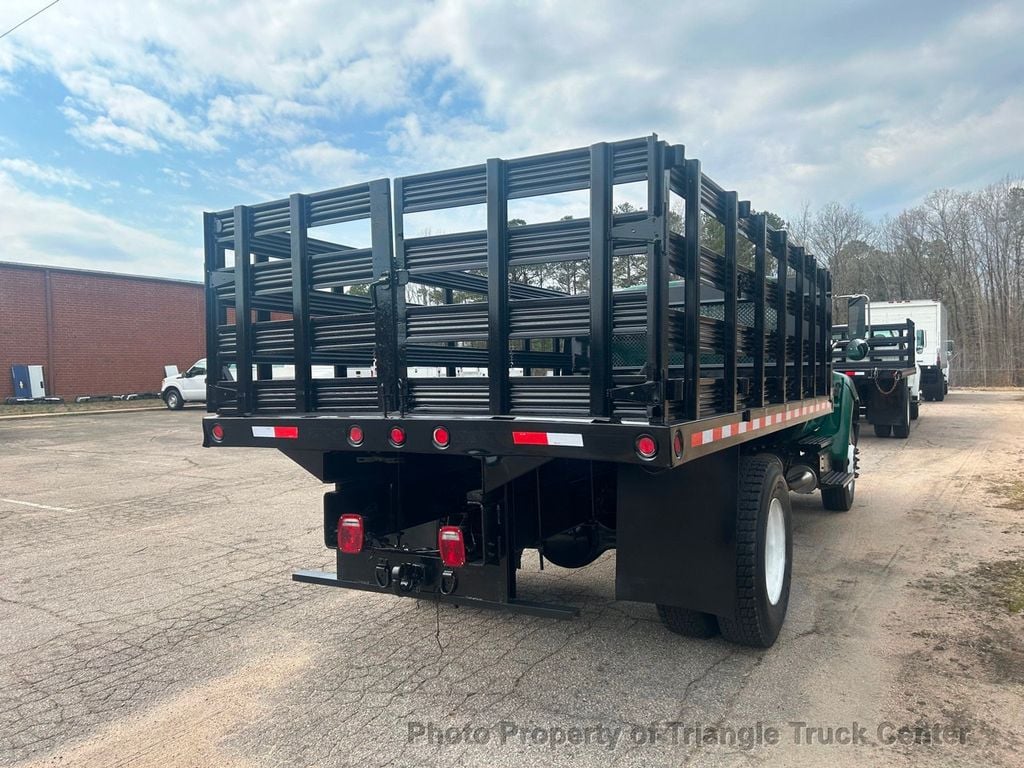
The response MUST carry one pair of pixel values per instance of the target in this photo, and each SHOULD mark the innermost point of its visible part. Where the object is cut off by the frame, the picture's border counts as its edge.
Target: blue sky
(120, 122)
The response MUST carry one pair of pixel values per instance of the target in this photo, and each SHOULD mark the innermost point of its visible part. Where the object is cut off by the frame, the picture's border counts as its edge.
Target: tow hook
(407, 576)
(382, 574)
(448, 581)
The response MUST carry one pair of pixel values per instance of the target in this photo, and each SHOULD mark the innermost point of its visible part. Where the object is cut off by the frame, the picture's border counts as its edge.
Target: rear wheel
(174, 400)
(915, 411)
(940, 392)
(688, 623)
(883, 430)
(764, 550)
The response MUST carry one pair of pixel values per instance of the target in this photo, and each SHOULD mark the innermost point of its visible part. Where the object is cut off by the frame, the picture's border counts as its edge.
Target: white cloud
(44, 230)
(337, 166)
(126, 113)
(44, 173)
(873, 104)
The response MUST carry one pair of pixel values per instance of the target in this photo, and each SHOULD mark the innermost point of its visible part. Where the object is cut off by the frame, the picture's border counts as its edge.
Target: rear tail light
(217, 432)
(646, 447)
(397, 437)
(441, 437)
(355, 435)
(350, 534)
(452, 545)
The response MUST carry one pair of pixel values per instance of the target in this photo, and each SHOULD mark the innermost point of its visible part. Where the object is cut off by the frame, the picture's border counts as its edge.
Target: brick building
(96, 333)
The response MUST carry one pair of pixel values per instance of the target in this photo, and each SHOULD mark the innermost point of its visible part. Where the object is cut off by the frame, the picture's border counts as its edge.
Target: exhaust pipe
(801, 479)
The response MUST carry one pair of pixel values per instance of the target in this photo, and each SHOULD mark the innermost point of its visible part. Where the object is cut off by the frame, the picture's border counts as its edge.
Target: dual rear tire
(764, 550)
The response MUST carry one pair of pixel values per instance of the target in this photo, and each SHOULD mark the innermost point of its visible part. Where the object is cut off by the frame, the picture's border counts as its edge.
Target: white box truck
(934, 346)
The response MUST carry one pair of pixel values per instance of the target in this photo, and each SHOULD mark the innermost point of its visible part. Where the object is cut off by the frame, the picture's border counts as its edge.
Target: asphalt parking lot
(147, 618)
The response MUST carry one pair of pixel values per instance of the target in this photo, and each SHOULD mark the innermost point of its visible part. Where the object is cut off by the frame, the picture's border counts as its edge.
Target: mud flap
(677, 534)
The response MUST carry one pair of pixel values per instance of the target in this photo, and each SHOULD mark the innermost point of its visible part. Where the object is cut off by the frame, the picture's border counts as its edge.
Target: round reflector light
(646, 447)
(397, 437)
(441, 437)
(218, 432)
(355, 435)
(677, 444)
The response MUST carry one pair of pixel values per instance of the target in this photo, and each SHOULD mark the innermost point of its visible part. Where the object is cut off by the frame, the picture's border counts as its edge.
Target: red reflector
(350, 534)
(646, 446)
(530, 438)
(452, 546)
(217, 431)
(355, 435)
(850, 373)
(291, 433)
(677, 444)
(397, 437)
(441, 437)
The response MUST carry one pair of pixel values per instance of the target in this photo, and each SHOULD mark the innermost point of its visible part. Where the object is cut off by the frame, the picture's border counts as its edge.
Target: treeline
(965, 249)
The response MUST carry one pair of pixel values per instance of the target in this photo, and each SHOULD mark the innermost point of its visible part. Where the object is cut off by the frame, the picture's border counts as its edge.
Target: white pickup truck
(190, 386)
(180, 388)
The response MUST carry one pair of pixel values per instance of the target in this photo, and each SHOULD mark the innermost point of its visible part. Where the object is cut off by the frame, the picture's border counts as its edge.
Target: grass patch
(103, 405)
(1012, 492)
(1005, 583)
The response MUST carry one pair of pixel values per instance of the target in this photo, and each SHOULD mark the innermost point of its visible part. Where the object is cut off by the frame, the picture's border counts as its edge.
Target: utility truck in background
(933, 345)
(880, 359)
(669, 422)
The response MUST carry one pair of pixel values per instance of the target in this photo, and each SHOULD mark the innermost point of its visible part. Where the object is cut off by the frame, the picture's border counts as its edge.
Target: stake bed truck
(880, 358)
(668, 418)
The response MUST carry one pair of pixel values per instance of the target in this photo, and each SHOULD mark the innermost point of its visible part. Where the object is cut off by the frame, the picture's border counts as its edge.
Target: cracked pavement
(147, 618)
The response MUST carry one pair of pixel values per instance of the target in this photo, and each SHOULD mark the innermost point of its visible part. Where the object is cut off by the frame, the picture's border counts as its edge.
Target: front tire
(841, 499)
(764, 553)
(173, 399)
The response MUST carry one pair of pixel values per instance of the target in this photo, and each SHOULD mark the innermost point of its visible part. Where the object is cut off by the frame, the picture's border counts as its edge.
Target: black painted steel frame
(743, 337)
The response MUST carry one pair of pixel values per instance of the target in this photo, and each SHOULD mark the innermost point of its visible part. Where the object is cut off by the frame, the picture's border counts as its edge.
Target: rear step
(816, 443)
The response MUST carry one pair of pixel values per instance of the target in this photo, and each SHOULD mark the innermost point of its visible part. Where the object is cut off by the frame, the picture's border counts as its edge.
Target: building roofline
(97, 273)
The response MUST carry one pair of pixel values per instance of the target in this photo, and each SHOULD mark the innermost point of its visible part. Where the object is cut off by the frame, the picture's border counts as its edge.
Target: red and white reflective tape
(740, 427)
(571, 439)
(288, 433)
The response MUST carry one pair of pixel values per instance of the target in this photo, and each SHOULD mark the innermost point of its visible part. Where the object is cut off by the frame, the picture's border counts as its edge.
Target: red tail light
(452, 546)
(441, 437)
(397, 437)
(646, 447)
(355, 435)
(217, 432)
(350, 534)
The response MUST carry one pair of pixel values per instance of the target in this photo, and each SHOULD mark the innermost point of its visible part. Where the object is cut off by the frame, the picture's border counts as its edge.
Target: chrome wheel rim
(775, 552)
(851, 462)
